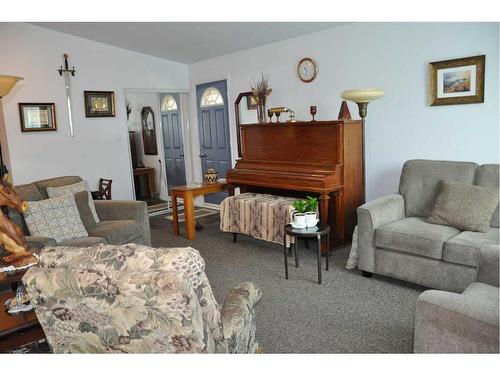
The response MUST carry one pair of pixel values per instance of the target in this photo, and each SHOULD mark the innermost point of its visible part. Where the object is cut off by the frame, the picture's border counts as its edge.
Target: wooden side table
(149, 185)
(19, 329)
(188, 193)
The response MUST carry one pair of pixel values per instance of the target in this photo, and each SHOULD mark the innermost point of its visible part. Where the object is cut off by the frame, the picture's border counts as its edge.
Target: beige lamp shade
(6, 84)
(362, 95)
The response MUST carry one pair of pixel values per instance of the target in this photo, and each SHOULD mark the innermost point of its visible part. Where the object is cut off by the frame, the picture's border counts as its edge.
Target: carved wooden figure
(11, 236)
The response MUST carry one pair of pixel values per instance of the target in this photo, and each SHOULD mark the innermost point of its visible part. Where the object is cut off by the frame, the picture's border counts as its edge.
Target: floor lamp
(362, 97)
(6, 84)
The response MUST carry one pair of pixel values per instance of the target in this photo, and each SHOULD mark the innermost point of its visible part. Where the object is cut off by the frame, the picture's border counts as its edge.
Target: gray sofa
(395, 239)
(461, 323)
(120, 221)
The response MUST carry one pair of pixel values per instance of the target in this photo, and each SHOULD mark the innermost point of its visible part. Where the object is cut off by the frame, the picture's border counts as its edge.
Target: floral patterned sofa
(136, 299)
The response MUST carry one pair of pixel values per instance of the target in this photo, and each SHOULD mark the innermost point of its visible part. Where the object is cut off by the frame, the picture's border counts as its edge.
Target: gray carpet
(346, 314)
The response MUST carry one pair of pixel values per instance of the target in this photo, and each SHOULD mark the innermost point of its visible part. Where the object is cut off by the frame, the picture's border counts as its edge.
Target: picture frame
(251, 102)
(37, 117)
(99, 103)
(457, 81)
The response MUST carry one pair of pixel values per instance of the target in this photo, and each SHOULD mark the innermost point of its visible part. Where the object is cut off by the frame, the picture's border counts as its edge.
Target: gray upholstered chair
(395, 239)
(461, 323)
(120, 221)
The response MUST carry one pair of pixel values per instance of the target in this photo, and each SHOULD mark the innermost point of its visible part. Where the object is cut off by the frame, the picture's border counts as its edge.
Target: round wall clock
(307, 69)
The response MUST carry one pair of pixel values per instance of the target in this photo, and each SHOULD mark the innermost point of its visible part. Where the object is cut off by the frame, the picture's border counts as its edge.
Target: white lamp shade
(362, 95)
(6, 84)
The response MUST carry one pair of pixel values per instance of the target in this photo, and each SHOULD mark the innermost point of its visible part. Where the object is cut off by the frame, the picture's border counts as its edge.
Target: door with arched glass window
(172, 140)
(213, 127)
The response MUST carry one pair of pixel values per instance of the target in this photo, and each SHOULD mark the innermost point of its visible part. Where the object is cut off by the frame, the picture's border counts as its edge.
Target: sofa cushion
(117, 231)
(82, 202)
(464, 248)
(29, 193)
(464, 206)
(420, 182)
(84, 242)
(72, 189)
(414, 235)
(55, 182)
(487, 175)
(56, 218)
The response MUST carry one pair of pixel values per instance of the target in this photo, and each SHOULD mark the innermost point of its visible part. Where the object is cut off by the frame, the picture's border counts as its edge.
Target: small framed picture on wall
(458, 81)
(99, 103)
(37, 117)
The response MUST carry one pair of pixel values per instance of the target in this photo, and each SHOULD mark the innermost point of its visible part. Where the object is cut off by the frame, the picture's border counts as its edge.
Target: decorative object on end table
(457, 81)
(11, 236)
(260, 92)
(99, 103)
(37, 117)
(211, 176)
(313, 110)
(149, 131)
(362, 97)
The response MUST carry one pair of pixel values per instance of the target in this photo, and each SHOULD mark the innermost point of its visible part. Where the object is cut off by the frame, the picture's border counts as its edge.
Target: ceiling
(188, 42)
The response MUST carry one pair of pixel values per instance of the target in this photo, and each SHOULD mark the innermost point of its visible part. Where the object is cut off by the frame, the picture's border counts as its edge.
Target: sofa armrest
(125, 210)
(238, 318)
(38, 242)
(372, 215)
(488, 267)
(448, 322)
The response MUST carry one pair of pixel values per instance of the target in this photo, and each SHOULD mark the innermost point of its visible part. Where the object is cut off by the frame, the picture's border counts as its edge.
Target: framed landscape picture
(458, 81)
(99, 103)
(37, 117)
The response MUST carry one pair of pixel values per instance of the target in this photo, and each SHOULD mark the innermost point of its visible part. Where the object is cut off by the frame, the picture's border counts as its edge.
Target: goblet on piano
(313, 111)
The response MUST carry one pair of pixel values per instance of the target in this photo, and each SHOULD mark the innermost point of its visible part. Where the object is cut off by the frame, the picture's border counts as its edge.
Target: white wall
(137, 102)
(100, 147)
(393, 56)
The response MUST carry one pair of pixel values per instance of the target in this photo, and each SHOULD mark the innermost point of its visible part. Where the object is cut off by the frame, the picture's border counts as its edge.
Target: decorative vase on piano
(261, 109)
(260, 91)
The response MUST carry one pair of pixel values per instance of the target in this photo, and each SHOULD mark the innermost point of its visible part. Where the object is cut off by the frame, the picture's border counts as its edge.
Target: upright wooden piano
(320, 158)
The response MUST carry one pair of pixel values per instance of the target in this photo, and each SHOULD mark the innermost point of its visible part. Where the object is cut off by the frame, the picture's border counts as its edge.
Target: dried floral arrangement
(260, 88)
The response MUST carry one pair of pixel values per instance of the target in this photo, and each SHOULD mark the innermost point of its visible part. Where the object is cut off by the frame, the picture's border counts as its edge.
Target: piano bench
(262, 216)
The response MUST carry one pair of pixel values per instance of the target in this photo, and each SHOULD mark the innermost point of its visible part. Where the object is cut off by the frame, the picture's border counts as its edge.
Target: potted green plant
(299, 216)
(311, 212)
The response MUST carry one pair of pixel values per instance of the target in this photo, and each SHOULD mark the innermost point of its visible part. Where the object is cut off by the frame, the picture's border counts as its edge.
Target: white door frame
(159, 136)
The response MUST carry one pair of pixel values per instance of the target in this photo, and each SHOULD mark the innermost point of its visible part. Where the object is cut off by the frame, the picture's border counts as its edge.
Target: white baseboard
(212, 206)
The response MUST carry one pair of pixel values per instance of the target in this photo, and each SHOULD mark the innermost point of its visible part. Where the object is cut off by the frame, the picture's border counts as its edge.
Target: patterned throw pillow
(56, 218)
(72, 189)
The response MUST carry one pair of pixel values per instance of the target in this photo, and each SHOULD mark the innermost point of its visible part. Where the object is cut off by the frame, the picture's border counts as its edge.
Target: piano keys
(321, 158)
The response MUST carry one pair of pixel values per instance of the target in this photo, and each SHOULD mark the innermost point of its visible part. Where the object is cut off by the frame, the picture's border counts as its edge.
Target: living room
(305, 187)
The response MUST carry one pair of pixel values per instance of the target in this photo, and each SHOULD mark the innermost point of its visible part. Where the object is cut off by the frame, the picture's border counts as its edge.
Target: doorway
(213, 127)
(173, 145)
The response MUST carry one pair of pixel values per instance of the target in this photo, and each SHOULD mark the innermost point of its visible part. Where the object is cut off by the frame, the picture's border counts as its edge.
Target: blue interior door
(213, 125)
(172, 140)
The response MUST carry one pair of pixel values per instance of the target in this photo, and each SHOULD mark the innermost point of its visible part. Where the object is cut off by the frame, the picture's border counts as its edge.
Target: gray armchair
(120, 221)
(395, 239)
(462, 323)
